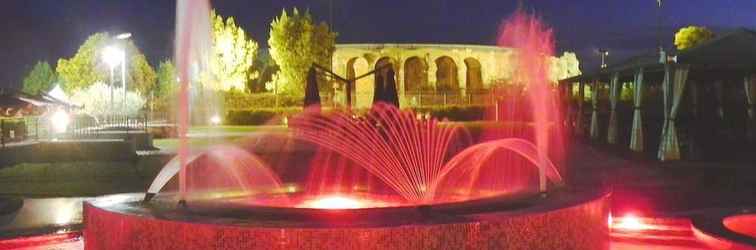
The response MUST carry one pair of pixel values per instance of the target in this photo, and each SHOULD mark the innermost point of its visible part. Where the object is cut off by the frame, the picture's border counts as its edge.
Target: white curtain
(579, 115)
(750, 92)
(675, 77)
(594, 112)
(636, 135)
(611, 136)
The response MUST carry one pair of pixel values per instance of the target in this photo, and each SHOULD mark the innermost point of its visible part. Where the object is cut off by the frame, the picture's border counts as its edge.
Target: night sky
(34, 30)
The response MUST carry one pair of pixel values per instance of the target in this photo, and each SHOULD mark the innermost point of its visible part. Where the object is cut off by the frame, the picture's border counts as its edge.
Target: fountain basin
(567, 219)
(726, 228)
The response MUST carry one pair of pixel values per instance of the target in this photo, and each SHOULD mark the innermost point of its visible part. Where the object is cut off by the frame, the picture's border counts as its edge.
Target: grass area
(206, 136)
(233, 129)
(171, 144)
(73, 179)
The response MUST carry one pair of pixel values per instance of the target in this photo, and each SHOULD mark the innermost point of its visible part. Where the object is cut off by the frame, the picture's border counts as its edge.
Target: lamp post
(123, 36)
(112, 56)
(604, 53)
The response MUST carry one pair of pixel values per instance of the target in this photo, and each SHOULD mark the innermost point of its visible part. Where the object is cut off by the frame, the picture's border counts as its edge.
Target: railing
(419, 99)
(37, 128)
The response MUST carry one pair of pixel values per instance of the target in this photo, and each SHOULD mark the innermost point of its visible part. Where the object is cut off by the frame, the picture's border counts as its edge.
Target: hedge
(454, 113)
(18, 126)
(259, 116)
(244, 101)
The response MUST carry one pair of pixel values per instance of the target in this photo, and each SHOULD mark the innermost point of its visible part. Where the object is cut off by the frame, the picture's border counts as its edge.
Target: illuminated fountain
(379, 179)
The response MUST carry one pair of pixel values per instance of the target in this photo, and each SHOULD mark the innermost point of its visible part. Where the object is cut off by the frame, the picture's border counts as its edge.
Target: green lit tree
(692, 36)
(233, 52)
(87, 66)
(296, 42)
(167, 84)
(41, 78)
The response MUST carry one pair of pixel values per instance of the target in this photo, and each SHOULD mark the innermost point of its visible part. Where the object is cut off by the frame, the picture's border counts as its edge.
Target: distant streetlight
(604, 54)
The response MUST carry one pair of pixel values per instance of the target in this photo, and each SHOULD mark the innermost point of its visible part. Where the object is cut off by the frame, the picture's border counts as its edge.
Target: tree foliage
(691, 36)
(87, 67)
(167, 85)
(41, 78)
(565, 66)
(267, 69)
(296, 42)
(233, 52)
(95, 100)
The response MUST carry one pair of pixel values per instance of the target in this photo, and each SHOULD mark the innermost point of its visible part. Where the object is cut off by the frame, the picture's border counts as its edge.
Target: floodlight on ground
(59, 121)
(215, 120)
(629, 222)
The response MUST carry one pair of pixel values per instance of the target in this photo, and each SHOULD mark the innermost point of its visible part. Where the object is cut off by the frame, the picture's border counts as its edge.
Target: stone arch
(358, 66)
(474, 76)
(447, 79)
(382, 62)
(415, 74)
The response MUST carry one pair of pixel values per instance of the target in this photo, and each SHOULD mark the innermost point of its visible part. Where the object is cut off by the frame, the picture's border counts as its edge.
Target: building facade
(426, 73)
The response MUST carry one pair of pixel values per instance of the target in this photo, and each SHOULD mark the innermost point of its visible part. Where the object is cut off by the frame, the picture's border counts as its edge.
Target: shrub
(18, 126)
(236, 100)
(95, 101)
(258, 116)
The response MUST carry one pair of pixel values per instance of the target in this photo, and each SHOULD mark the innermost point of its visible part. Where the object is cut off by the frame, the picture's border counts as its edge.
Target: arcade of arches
(424, 69)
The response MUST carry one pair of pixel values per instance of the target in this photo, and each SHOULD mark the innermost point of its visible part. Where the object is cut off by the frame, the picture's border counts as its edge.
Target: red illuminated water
(384, 157)
(412, 156)
(192, 47)
(534, 45)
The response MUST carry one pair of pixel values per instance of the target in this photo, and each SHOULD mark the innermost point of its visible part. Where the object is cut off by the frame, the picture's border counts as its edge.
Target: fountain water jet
(534, 43)
(416, 159)
(406, 153)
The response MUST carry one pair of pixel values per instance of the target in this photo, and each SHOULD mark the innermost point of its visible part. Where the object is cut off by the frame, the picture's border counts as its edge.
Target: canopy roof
(733, 51)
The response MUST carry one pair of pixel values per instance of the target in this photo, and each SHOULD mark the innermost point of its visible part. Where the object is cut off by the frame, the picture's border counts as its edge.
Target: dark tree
(378, 89)
(312, 94)
(389, 89)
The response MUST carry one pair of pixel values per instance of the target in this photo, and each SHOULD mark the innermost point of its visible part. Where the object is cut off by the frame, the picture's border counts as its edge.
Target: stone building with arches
(426, 73)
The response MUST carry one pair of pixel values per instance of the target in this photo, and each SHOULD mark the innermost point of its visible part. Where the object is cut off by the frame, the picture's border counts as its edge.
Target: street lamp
(123, 36)
(112, 56)
(604, 54)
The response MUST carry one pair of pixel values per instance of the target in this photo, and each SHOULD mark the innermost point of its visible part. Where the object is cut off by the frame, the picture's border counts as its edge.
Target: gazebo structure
(699, 102)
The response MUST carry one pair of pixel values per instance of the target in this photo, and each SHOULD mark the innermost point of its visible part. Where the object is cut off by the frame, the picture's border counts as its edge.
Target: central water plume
(407, 153)
(534, 45)
(404, 152)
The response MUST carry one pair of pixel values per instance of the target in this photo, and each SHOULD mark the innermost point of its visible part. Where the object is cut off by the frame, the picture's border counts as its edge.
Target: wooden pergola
(702, 89)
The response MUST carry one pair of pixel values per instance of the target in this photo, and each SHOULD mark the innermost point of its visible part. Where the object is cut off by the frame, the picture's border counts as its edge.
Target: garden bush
(18, 126)
(235, 100)
(259, 116)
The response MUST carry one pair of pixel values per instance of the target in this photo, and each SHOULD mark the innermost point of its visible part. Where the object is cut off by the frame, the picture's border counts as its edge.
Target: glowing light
(113, 56)
(215, 120)
(123, 36)
(60, 121)
(335, 202)
(629, 222)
